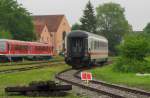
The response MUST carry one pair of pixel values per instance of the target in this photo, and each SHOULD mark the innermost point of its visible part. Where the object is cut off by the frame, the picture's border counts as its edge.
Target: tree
(133, 51)
(76, 26)
(112, 24)
(147, 28)
(88, 20)
(17, 20)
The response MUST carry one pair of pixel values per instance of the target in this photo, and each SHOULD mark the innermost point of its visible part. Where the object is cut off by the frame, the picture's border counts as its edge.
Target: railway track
(72, 77)
(37, 66)
(27, 63)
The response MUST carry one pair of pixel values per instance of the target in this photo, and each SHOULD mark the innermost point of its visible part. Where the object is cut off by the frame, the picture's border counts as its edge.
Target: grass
(21, 66)
(147, 58)
(130, 79)
(14, 65)
(23, 78)
(58, 57)
(113, 58)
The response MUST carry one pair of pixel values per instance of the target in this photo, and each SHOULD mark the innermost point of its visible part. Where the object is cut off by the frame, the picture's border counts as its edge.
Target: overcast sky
(137, 11)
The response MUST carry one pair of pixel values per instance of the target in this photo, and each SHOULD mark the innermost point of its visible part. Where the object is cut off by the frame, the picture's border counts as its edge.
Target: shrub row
(133, 51)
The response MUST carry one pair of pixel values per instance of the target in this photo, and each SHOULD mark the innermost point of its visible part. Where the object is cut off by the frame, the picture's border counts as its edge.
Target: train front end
(77, 49)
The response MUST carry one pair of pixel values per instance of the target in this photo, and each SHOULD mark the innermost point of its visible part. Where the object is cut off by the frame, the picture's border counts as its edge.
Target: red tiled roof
(39, 27)
(52, 21)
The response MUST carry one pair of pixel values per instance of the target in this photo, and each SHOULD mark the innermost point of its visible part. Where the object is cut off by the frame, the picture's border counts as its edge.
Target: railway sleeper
(39, 88)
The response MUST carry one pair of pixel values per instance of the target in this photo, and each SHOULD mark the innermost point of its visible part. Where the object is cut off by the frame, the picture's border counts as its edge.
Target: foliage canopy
(76, 26)
(15, 19)
(88, 20)
(111, 23)
(147, 28)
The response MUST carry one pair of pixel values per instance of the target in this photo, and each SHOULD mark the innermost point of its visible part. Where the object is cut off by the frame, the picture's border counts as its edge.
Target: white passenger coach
(84, 49)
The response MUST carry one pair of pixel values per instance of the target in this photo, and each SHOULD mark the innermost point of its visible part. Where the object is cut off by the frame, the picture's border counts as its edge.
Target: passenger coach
(14, 50)
(84, 49)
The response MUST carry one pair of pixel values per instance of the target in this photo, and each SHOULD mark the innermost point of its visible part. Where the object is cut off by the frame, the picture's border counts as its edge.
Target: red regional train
(14, 50)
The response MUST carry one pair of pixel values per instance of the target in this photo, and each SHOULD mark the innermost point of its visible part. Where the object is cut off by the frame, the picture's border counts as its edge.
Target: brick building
(52, 29)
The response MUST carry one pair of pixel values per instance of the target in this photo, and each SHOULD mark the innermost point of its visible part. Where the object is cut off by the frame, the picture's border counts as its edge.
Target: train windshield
(77, 46)
(2, 46)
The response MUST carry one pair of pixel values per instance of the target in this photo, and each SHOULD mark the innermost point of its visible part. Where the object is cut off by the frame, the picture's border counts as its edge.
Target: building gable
(52, 29)
(45, 36)
(52, 21)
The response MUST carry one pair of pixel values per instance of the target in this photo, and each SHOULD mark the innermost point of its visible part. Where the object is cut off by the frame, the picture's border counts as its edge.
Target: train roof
(80, 33)
(9, 40)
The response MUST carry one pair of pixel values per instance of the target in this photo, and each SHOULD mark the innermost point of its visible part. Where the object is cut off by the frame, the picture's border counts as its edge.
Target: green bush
(130, 65)
(133, 51)
(147, 36)
(134, 47)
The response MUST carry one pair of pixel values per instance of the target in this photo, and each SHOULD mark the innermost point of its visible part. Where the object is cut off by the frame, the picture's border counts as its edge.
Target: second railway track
(37, 66)
(27, 63)
(72, 77)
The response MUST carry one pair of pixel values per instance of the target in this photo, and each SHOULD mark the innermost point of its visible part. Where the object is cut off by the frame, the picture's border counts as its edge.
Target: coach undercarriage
(4, 58)
(80, 62)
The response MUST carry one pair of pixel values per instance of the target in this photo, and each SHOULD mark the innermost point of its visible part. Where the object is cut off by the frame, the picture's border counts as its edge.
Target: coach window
(99, 44)
(2, 46)
(94, 45)
(91, 45)
(103, 45)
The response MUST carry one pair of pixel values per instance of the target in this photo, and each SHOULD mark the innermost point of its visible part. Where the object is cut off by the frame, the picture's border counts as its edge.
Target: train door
(3, 47)
(77, 46)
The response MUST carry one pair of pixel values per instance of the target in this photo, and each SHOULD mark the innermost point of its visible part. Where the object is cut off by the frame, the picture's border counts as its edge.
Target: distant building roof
(38, 27)
(52, 21)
